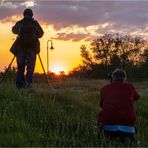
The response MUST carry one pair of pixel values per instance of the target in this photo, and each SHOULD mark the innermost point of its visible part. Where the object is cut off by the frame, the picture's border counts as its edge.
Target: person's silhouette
(27, 46)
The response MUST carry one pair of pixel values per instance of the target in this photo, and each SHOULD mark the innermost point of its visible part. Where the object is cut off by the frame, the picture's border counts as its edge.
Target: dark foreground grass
(65, 117)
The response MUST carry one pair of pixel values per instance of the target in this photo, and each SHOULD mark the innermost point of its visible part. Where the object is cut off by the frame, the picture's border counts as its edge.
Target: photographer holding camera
(26, 47)
(118, 115)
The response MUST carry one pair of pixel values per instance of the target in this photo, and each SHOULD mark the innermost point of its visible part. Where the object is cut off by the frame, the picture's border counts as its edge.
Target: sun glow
(57, 69)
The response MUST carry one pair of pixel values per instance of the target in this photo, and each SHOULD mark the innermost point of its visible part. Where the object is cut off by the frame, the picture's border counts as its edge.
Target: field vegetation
(65, 116)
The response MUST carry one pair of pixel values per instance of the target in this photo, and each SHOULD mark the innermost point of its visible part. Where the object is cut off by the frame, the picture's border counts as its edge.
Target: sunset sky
(69, 24)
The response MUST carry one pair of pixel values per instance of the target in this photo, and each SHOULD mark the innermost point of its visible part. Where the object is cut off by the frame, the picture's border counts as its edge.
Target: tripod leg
(44, 71)
(7, 70)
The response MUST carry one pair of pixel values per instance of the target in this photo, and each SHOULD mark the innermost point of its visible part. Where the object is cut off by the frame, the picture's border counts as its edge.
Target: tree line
(112, 51)
(105, 54)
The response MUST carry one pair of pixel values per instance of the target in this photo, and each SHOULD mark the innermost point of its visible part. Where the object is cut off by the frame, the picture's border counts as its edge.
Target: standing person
(118, 116)
(26, 46)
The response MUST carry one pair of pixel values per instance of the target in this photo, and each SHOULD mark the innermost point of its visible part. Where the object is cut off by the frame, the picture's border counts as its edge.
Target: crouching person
(118, 116)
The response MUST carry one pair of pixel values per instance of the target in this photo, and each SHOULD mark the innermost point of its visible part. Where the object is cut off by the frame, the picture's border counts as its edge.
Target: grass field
(65, 116)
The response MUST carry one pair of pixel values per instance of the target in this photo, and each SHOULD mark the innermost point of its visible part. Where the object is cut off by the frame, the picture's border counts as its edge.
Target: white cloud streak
(28, 4)
(8, 5)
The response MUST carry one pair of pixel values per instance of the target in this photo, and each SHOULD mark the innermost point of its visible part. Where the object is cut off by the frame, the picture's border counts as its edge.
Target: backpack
(27, 35)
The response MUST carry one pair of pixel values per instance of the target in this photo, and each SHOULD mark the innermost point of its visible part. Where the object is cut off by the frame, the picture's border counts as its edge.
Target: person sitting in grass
(118, 116)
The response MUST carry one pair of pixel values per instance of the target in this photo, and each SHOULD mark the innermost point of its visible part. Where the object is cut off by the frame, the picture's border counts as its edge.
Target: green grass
(64, 117)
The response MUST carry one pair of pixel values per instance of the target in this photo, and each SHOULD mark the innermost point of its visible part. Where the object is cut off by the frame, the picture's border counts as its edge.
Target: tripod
(7, 70)
(5, 74)
(44, 70)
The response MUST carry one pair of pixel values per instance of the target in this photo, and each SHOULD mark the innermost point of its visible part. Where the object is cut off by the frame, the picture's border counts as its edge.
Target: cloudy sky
(72, 23)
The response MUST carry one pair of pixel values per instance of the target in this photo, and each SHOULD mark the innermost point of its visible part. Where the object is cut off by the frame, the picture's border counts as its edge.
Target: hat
(28, 12)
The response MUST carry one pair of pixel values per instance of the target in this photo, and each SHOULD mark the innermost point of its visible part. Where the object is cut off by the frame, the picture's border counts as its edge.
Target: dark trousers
(28, 60)
(119, 134)
(120, 137)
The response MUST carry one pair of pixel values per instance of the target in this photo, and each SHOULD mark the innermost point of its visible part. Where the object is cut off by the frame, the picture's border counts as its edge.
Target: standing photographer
(26, 47)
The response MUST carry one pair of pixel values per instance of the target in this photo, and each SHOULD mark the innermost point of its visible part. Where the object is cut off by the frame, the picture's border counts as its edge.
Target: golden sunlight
(57, 69)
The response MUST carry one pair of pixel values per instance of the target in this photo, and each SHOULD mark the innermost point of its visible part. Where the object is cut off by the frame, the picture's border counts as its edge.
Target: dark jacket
(16, 30)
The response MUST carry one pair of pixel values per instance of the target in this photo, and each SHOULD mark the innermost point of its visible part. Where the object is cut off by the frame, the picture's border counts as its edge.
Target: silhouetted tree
(144, 64)
(112, 51)
(86, 57)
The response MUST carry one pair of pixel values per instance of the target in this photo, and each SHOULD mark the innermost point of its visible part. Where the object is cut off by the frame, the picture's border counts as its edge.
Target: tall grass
(65, 117)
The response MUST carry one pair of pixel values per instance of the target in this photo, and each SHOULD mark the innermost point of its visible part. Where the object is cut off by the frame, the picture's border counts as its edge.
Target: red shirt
(117, 102)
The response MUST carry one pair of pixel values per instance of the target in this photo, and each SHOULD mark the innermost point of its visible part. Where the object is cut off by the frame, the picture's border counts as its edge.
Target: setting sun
(57, 69)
